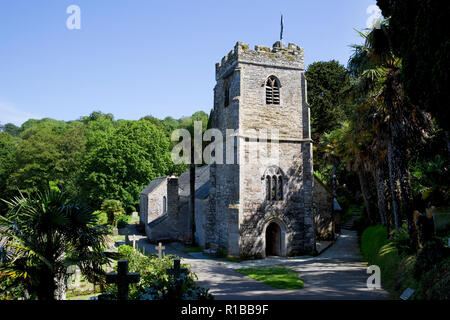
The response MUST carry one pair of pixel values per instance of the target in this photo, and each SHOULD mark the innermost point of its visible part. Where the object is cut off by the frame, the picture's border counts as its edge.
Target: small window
(227, 97)
(226, 93)
(280, 188)
(272, 91)
(274, 188)
(164, 204)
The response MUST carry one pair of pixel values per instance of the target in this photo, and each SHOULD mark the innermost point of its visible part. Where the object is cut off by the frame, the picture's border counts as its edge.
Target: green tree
(48, 151)
(121, 159)
(8, 153)
(10, 128)
(327, 83)
(44, 233)
(387, 115)
(419, 35)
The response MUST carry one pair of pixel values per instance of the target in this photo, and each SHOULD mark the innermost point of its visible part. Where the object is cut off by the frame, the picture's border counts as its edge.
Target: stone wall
(323, 211)
(155, 201)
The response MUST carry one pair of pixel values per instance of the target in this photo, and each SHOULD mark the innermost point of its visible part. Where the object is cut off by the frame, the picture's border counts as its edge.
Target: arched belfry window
(272, 90)
(274, 181)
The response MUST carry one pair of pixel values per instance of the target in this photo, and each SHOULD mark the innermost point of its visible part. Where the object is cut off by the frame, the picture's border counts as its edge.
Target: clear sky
(134, 58)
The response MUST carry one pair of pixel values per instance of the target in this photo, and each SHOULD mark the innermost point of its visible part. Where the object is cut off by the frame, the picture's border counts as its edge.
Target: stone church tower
(264, 207)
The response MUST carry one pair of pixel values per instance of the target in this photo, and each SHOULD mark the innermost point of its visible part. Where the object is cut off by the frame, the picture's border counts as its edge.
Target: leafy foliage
(327, 83)
(113, 210)
(418, 35)
(121, 160)
(94, 158)
(44, 233)
(154, 282)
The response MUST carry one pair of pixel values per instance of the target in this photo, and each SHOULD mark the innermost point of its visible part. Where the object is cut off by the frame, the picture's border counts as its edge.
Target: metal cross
(123, 279)
(176, 270)
(160, 248)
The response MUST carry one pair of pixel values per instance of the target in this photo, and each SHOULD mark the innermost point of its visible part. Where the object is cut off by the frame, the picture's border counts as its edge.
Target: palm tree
(44, 234)
(399, 123)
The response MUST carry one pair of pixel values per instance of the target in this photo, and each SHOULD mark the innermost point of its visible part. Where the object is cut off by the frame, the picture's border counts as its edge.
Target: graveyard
(201, 151)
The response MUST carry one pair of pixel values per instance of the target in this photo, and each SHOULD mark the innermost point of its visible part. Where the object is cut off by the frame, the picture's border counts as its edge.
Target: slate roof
(153, 185)
(201, 183)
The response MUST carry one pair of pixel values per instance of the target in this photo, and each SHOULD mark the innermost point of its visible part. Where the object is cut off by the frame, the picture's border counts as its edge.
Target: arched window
(280, 188)
(274, 188)
(272, 90)
(164, 204)
(268, 187)
(274, 184)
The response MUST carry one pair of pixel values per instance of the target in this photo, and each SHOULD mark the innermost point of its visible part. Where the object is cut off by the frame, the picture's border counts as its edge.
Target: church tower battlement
(291, 56)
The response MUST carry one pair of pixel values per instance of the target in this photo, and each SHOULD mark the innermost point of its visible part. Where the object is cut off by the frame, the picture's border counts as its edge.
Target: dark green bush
(400, 238)
(396, 268)
(155, 284)
(122, 221)
(435, 284)
(430, 255)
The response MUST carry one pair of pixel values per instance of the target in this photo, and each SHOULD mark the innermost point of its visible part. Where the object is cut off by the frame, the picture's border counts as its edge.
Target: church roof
(152, 186)
(201, 183)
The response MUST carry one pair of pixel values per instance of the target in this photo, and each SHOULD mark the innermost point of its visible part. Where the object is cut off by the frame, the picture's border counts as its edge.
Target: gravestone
(407, 294)
(72, 279)
(74, 273)
(122, 278)
(133, 239)
(160, 249)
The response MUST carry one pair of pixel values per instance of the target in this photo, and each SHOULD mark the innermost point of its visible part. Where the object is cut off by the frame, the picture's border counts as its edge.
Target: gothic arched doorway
(273, 240)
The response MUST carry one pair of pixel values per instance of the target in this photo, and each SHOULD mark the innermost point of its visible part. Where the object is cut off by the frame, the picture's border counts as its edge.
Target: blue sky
(134, 58)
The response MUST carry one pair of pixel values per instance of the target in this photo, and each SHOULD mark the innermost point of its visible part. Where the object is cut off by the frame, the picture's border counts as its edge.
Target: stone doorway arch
(273, 240)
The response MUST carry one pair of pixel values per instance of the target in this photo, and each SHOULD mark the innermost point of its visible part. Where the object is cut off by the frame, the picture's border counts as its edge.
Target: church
(272, 207)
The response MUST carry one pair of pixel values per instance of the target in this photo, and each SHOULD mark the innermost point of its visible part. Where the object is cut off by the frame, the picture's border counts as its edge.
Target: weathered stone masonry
(259, 202)
(239, 211)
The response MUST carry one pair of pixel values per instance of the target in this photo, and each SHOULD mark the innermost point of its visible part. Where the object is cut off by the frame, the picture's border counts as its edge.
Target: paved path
(337, 273)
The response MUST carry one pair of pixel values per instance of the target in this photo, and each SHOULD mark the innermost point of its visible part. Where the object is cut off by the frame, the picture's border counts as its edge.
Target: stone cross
(133, 239)
(176, 270)
(160, 248)
(123, 279)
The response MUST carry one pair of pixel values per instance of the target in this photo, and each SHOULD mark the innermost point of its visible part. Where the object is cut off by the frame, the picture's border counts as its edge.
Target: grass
(276, 277)
(192, 249)
(396, 269)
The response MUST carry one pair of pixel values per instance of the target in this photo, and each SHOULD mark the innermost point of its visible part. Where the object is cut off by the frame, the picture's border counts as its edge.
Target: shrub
(431, 254)
(122, 221)
(154, 282)
(400, 238)
(396, 268)
(113, 209)
(102, 217)
(435, 284)
(372, 239)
